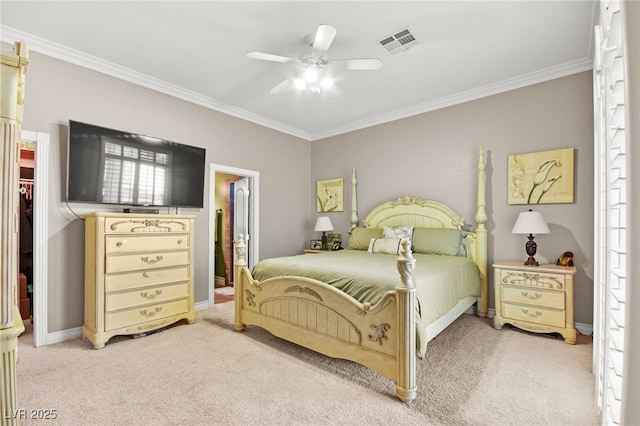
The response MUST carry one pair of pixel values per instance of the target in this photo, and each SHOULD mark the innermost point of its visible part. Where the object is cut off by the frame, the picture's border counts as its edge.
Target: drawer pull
(534, 296)
(144, 274)
(534, 314)
(146, 259)
(151, 296)
(119, 243)
(148, 314)
(179, 241)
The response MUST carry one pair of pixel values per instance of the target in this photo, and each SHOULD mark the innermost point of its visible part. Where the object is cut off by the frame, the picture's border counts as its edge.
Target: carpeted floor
(206, 373)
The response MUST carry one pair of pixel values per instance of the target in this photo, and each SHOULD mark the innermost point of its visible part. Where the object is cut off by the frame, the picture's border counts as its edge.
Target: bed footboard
(320, 317)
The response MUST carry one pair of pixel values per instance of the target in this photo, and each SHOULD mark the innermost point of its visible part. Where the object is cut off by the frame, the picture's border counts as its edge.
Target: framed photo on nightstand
(315, 245)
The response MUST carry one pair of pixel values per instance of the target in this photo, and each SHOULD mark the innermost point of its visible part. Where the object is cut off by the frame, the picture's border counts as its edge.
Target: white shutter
(610, 212)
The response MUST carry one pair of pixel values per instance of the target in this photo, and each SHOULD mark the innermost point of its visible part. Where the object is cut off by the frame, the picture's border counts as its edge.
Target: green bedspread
(440, 280)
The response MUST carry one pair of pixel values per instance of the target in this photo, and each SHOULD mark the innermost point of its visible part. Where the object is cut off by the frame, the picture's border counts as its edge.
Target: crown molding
(49, 48)
(541, 76)
(76, 57)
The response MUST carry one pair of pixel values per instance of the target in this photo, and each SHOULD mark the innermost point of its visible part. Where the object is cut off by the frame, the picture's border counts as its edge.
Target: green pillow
(359, 238)
(437, 241)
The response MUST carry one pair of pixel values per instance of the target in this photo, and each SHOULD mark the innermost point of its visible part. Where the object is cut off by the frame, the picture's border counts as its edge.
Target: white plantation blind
(610, 211)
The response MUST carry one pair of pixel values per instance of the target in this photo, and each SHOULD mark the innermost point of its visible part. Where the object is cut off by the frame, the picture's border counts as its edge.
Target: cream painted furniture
(138, 274)
(382, 337)
(13, 68)
(314, 251)
(535, 298)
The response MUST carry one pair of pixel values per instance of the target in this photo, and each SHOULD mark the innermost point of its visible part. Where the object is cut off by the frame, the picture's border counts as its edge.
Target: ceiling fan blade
(270, 57)
(371, 64)
(280, 87)
(324, 37)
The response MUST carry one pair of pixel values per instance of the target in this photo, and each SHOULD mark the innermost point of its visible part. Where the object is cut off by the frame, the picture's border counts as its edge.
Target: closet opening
(25, 241)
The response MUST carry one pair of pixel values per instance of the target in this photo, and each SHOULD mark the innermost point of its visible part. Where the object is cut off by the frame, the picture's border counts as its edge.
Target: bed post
(406, 376)
(239, 282)
(354, 201)
(481, 238)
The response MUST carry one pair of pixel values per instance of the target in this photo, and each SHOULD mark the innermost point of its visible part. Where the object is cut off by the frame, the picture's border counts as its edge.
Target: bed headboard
(432, 214)
(413, 211)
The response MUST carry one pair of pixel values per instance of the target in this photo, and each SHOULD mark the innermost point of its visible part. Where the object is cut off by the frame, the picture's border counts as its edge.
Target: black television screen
(113, 167)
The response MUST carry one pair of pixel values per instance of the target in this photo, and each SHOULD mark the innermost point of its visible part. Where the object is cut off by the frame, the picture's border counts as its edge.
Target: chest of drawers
(535, 298)
(138, 274)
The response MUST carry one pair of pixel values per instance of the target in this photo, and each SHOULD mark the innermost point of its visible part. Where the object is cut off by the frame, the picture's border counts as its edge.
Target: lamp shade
(530, 222)
(323, 224)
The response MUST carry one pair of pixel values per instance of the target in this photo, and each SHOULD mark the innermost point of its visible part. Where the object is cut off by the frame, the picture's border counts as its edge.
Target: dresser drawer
(132, 262)
(137, 243)
(534, 314)
(145, 278)
(545, 298)
(114, 320)
(129, 299)
(118, 225)
(543, 280)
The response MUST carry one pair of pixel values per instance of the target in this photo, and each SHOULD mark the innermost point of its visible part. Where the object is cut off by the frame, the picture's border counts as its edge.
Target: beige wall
(434, 155)
(57, 92)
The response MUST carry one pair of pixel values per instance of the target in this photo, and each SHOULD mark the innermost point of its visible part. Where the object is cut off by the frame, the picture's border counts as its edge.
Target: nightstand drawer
(535, 279)
(534, 314)
(544, 298)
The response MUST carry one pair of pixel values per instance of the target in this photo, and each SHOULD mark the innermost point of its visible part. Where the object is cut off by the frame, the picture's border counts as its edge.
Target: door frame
(254, 214)
(40, 232)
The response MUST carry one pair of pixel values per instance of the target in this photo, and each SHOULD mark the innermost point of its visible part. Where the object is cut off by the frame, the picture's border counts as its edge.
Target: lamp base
(531, 247)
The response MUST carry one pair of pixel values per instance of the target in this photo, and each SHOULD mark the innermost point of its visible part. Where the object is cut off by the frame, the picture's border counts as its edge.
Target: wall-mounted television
(114, 167)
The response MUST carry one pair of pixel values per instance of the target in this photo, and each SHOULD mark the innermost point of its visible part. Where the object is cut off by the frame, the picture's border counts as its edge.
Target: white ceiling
(197, 51)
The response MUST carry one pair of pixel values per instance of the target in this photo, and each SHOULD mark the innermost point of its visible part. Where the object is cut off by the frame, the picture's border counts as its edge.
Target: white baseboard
(74, 333)
(201, 305)
(61, 336)
(584, 329)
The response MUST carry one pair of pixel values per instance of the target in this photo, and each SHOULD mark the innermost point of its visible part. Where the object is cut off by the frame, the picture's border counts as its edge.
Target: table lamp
(323, 224)
(530, 222)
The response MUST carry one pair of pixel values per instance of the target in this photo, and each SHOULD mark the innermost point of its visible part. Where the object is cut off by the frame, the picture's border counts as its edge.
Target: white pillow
(385, 245)
(398, 232)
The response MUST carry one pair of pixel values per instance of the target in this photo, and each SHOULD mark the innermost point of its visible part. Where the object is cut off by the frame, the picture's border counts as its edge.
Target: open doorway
(33, 183)
(233, 211)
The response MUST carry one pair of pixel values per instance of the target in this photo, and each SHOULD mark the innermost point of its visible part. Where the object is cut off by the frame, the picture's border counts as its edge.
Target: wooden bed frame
(382, 337)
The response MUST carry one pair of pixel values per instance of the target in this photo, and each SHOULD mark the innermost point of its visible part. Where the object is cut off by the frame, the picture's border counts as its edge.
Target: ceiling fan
(316, 69)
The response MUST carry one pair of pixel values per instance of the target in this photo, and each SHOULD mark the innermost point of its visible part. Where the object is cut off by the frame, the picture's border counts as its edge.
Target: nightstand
(535, 298)
(314, 251)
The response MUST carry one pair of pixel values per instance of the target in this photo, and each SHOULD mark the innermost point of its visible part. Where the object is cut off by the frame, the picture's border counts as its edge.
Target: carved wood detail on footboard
(322, 318)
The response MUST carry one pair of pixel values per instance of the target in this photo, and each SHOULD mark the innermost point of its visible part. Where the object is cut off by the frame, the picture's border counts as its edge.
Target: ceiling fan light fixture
(311, 74)
(326, 82)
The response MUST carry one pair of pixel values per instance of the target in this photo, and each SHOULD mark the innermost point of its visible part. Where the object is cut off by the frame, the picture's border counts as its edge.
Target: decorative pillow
(359, 237)
(385, 245)
(437, 241)
(399, 232)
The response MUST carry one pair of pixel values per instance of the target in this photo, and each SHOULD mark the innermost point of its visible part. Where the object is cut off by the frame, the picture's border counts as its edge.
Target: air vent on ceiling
(399, 41)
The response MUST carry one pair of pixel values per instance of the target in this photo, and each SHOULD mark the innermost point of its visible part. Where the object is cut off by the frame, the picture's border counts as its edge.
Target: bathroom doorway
(234, 211)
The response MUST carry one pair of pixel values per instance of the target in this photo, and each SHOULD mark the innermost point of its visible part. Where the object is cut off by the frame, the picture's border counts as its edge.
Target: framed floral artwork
(330, 195)
(544, 177)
